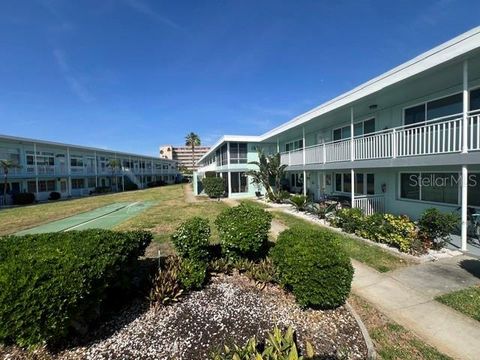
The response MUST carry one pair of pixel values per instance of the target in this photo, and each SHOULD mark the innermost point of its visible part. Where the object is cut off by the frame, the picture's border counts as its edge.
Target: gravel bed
(230, 309)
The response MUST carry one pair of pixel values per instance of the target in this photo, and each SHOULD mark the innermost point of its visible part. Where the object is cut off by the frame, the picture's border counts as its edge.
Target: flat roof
(447, 51)
(53, 143)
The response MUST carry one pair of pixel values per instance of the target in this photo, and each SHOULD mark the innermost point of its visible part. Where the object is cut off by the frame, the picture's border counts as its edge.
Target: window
(296, 180)
(221, 155)
(76, 161)
(78, 183)
(449, 105)
(294, 145)
(364, 183)
(475, 99)
(431, 187)
(239, 182)
(238, 153)
(364, 127)
(341, 133)
(474, 189)
(414, 115)
(31, 186)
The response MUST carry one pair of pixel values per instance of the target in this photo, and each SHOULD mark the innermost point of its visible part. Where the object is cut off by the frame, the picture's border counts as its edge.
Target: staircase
(133, 178)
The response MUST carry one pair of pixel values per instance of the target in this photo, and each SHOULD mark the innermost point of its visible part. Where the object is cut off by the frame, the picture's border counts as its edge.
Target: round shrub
(214, 186)
(23, 198)
(192, 274)
(314, 266)
(191, 239)
(243, 230)
(54, 195)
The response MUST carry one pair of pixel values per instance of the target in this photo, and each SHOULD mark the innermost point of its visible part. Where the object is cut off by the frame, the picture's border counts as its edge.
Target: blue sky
(134, 74)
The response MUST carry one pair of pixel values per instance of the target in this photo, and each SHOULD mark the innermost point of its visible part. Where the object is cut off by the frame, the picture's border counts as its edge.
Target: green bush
(277, 345)
(192, 274)
(313, 264)
(53, 283)
(350, 220)
(23, 198)
(300, 202)
(191, 239)
(243, 230)
(436, 227)
(214, 186)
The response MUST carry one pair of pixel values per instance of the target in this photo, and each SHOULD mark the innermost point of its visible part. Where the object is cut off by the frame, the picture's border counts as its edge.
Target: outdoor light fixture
(384, 188)
(373, 106)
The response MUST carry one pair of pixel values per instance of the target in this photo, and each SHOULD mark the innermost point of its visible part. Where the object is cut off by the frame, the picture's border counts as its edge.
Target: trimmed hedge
(23, 198)
(314, 266)
(54, 195)
(52, 284)
(243, 230)
(191, 239)
(192, 274)
(214, 186)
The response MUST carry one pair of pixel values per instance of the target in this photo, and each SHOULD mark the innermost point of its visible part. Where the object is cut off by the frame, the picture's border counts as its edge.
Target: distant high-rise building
(183, 155)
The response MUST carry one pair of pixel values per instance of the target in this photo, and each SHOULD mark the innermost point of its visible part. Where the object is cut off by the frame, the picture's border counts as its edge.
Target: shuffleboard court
(105, 217)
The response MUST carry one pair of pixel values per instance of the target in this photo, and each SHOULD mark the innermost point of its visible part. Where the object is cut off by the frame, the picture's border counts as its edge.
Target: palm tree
(192, 140)
(114, 164)
(6, 165)
(269, 168)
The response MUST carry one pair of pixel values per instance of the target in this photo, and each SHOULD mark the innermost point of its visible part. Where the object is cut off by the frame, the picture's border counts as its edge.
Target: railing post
(324, 154)
(303, 150)
(394, 143)
(465, 108)
(352, 149)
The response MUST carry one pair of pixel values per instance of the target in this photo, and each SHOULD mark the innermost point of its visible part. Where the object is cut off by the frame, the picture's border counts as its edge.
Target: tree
(114, 164)
(270, 169)
(192, 140)
(6, 166)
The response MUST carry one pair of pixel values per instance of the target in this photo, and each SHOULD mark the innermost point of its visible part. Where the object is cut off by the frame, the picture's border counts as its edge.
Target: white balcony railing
(370, 204)
(437, 136)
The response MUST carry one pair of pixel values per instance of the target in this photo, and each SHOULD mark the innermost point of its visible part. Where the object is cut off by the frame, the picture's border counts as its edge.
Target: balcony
(437, 136)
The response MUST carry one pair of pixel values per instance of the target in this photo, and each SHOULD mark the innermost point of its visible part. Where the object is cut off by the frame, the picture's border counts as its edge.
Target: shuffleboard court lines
(103, 218)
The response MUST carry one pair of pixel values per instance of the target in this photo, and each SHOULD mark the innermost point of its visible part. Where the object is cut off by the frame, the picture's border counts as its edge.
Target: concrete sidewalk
(406, 296)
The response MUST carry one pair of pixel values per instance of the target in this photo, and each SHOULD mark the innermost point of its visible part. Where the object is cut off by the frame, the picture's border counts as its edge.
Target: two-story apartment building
(404, 141)
(72, 170)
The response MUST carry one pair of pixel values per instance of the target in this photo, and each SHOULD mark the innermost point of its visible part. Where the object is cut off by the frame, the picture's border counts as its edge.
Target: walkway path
(407, 296)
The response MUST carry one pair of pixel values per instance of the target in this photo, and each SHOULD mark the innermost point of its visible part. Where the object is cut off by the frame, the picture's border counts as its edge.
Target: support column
(36, 169)
(69, 177)
(465, 108)
(464, 206)
(352, 185)
(278, 145)
(304, 182)
(123, 182)
(303, 150)
(352, 143)
(96, 169)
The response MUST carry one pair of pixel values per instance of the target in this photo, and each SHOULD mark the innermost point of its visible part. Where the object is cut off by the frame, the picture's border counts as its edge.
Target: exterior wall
(62, 175)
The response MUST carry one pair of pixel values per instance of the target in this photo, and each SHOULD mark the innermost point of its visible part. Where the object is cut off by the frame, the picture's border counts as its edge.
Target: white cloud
(71, 79)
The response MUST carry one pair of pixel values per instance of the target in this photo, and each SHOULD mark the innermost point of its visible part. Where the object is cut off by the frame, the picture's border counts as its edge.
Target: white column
(69, 178)
(318, 183)
(228, 158)
(304, 181)
(303, 151)
(464, 206)
(465, 108)
(36, 169)
(352, 185)
(278, 145)
(352, 150)
(96, 169)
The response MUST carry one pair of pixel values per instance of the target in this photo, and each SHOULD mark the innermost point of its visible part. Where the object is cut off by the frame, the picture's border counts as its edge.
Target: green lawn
(169, 210)
(467, 301)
